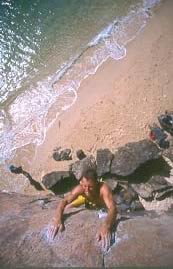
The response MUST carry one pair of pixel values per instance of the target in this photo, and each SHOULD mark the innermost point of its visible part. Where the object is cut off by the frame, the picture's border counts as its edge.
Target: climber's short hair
(90, 174)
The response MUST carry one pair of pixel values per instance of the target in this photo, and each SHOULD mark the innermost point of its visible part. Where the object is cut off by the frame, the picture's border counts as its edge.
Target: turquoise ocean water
(47, 47)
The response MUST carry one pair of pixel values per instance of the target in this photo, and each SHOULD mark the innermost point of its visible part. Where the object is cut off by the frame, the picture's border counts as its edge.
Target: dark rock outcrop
(157, 187)
(128, 158)
(103, 158)
(79, 167)
(49, 180)
(24, 243)
(124, 162)
(62, 155)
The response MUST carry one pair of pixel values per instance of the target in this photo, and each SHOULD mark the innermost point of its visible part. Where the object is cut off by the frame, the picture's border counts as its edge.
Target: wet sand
(115, 105)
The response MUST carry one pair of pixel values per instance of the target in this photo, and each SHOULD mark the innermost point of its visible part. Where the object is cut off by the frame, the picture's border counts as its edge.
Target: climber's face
(89, 186)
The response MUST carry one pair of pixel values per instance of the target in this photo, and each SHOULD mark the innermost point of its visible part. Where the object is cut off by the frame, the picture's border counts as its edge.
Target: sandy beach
(115, 105)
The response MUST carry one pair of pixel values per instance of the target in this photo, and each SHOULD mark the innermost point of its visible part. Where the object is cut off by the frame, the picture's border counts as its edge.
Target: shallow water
(39, 36)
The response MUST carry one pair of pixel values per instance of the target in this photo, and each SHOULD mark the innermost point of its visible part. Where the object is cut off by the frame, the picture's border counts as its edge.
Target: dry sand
(116, 105)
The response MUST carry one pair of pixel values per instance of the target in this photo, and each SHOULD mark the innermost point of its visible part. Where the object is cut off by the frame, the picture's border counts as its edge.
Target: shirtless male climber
(93, 193)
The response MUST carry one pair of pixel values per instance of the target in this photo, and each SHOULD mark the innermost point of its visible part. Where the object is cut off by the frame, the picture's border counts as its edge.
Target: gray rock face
(157, 187)
(49, 180)
(23, 235)
(24, 223)
(128, 158)
(79, 167)
(104, 158)
(142, 241)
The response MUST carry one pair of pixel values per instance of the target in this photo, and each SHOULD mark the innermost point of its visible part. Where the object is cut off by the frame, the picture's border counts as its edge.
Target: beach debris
(80, 154)
(15, 169)
(129, 157)
(103, 158)
(159, 136)
(62, 155)
(166, 121)
(163, 136)
(80, 166)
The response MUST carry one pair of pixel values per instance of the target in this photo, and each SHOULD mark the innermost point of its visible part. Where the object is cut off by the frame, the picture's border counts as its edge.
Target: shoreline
(117, 103)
